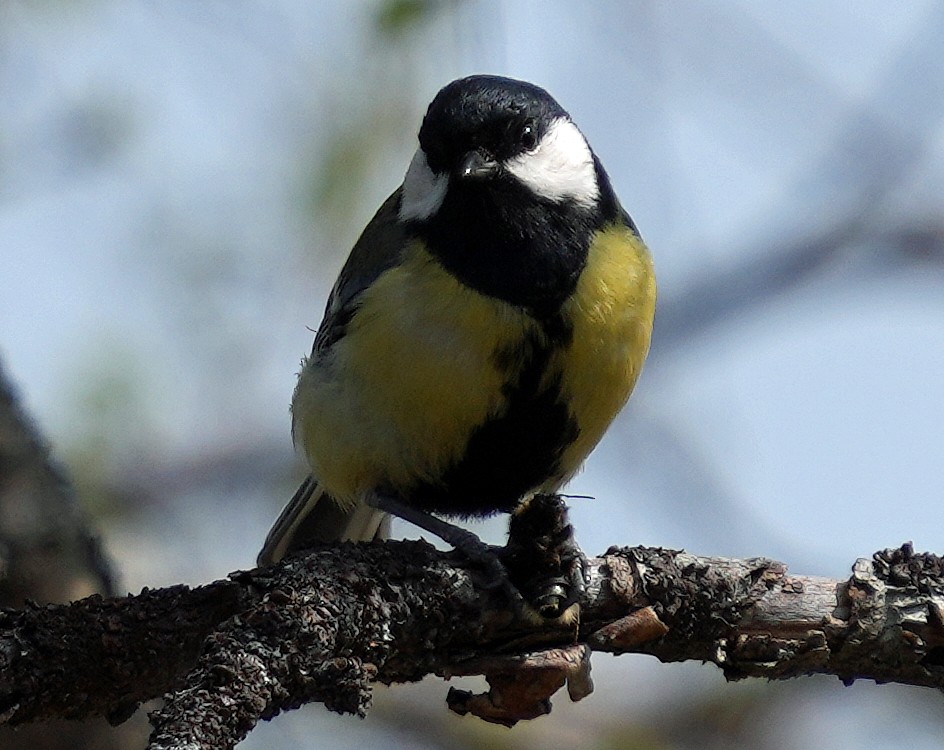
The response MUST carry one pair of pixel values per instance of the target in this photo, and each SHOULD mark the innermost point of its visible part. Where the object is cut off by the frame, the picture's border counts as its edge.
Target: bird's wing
(311, 515)
(379, 247)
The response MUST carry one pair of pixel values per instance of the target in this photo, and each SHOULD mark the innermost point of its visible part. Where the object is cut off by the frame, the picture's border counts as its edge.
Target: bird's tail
(313, 516)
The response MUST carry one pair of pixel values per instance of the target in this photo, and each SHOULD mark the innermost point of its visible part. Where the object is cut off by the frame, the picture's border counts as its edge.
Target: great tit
(489, 324)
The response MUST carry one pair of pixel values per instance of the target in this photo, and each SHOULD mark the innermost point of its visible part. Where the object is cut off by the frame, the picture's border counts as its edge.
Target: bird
(490, 322)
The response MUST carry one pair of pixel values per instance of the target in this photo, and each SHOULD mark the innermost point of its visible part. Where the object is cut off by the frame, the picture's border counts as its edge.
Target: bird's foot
(542, 558)
(465, 542)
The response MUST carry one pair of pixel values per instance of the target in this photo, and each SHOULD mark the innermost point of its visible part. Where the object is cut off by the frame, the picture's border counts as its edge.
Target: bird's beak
(477, 165)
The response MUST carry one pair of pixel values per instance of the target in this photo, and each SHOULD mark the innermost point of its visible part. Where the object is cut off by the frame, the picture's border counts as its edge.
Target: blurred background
(180, 183)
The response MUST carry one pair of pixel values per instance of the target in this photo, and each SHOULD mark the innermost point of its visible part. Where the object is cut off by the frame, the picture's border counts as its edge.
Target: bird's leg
(473, 548)
(542, 557)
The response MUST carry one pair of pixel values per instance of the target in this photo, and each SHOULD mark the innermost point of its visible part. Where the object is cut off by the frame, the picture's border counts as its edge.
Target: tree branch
(325, 626)
(49, 552)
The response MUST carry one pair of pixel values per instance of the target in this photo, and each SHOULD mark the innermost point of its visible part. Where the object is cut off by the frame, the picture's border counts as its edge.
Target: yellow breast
(611, 312)
(395, 400)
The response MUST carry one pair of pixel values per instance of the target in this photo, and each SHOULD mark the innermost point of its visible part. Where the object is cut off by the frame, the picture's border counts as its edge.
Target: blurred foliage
(381, 100)
(94, 130)
(396, 17)
(349, 160)
(116, 427)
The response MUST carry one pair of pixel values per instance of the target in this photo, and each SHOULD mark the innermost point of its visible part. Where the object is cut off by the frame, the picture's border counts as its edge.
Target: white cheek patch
(560, 167)
(423, 190)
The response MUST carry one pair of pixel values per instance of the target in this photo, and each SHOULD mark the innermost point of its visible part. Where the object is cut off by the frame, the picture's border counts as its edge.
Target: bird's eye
(527, 137)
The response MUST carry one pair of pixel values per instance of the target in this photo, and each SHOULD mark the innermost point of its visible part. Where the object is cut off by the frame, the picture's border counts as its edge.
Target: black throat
(502, 241)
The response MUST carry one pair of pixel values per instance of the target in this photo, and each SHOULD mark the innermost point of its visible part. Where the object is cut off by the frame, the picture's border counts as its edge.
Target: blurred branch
(42, 529)
(325, 626)
(885, 140)
(48, 553)
(723, 296)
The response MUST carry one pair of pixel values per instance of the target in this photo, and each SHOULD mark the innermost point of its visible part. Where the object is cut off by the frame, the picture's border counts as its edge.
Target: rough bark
(325, 626)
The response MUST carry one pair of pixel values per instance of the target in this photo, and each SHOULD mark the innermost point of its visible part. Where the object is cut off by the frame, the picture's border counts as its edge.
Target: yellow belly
(394, 402)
